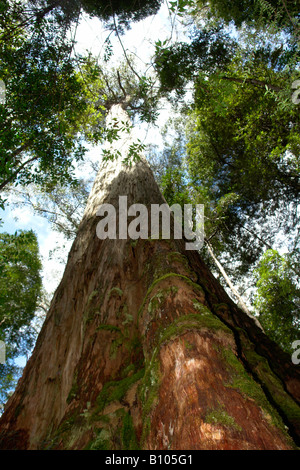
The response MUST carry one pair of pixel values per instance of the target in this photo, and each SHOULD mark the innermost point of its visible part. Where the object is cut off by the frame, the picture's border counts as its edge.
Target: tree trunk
(237, 296)
(143, 349)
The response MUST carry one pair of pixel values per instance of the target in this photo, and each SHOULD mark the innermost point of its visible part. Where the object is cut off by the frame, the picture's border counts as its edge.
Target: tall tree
(142, 348)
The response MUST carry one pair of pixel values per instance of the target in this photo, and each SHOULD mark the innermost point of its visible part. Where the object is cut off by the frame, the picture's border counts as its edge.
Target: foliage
(277, 299)
(66, 12)
(253, 12)
(209, 50)
(20, 291)
(243, 140)
(47, 102)
(125, 10)
(137, 93)
(253, 148)
(62, 206)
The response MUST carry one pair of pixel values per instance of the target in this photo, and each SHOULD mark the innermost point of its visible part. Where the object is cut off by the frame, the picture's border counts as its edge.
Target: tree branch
(124, 51)
(120, 84)
(14, 175)
(253, 81)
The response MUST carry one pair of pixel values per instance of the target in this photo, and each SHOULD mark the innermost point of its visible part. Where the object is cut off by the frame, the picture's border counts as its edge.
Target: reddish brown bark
(142, 348)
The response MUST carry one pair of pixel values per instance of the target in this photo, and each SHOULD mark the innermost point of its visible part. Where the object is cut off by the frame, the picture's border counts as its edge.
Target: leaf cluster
(125, 10)
(178, 64)
(277, 299)
(50, 107)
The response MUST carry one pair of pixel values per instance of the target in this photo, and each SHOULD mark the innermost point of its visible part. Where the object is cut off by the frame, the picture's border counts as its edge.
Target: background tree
(20, 293)
(253, 12)
(278, 296)
(41, 134)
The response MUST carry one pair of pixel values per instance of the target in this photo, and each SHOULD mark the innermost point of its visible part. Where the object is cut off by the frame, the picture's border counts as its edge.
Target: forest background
(213, 91)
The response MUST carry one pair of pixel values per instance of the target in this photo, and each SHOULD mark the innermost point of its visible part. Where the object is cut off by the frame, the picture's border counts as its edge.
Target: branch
(253, 81)
(120, 84)
(242, 304)
(124, 51)
(39, 15)
(14, 175)
(290, 18)
(260, 239)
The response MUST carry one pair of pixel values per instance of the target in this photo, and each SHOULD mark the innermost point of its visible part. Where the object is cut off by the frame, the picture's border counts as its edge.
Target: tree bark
(142, 348)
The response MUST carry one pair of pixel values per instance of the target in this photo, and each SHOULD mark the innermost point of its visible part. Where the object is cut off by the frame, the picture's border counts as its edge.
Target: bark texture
(143, 349)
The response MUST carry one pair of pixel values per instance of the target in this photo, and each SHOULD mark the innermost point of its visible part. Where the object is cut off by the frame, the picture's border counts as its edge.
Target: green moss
(91, 310)
(67, 431)
(101, 441)
(195, 286)
(189, 346)
(74, 389)
(92, 295)
(148, 393)
(115, 291)
(219, 416)
(246, 385)
(135, 345)
(128, 370)
(146, 430)
(201, 308)
(133, 243)
(156, 301)
(284, 401)
(150, 385)
(159, 298)
(116, 390)
(128, 318)
(192, 321)
(107, 327)
(115, 344)
(128, 434)
(177, 257)
(117, 432)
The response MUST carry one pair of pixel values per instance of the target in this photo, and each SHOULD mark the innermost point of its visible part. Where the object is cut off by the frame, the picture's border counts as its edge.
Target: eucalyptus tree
(136, 330)
(141, 346)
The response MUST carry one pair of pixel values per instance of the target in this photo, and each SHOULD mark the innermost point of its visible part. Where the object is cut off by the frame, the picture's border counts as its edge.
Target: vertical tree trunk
(142, 348)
